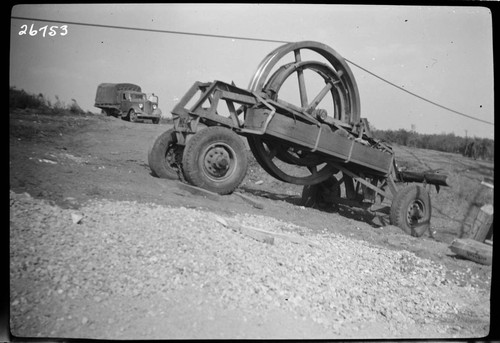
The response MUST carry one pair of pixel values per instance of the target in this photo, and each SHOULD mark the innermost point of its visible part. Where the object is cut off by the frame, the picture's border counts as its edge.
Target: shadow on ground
(374, 219)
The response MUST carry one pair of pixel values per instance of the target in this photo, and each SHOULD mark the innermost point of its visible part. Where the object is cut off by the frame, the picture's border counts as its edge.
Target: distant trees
(23, 100)
(476, 148)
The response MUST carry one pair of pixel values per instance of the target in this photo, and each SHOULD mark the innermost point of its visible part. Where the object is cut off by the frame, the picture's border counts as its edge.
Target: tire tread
(400, 204)
(156, 156)
(192, 173)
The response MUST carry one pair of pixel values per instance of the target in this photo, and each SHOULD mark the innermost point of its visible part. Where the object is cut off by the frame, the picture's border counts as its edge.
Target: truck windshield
(138, 96)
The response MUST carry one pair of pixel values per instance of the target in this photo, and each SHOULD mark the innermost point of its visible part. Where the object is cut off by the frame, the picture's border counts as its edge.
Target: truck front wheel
(132, 116)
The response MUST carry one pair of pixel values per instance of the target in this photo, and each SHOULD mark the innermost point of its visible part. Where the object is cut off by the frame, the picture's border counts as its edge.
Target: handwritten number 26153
(51, 31)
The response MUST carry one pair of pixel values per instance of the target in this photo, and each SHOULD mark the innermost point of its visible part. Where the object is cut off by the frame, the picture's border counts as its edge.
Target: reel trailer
(316, 139)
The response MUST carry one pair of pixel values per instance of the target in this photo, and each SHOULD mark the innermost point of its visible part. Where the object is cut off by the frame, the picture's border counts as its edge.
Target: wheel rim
(337, 63)
(218, 161)
(333, 85)
(132, 115)
(416, 213)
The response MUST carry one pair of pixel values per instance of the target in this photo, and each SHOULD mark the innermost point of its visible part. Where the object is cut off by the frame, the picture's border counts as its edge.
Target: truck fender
(136, 108)
(133, 107)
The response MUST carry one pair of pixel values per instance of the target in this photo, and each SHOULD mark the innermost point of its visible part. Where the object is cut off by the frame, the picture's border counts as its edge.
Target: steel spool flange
(336, 61)
(339, 81)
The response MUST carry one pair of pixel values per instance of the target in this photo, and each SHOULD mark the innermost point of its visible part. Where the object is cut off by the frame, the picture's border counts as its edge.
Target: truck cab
(136, 106)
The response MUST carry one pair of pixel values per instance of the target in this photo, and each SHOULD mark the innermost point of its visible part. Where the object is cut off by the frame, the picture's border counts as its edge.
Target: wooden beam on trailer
(483, 223)
(363, 181)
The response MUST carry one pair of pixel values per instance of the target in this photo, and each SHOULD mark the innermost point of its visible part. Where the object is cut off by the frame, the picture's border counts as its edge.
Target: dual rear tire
(214, 159)
(165, 156)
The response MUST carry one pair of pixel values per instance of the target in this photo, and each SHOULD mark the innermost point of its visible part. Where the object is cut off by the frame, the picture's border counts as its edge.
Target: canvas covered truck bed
(107, 93)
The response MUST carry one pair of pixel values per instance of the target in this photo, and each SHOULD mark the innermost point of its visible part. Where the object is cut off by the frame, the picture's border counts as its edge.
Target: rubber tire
(132, 118)
(399, 209)
(192, 160)
(157, 156)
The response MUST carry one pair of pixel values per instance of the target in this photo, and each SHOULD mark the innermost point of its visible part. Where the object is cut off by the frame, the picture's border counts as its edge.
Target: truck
(126, 100)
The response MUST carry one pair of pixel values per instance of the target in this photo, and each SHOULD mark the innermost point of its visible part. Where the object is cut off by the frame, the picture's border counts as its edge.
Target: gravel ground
(129, 249)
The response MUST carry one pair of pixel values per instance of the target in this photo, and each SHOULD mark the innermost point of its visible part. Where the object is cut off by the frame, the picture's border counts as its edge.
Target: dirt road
(71, 160)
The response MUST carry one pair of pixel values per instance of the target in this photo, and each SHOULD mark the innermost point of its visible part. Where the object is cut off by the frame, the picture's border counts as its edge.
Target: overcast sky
(444, 54)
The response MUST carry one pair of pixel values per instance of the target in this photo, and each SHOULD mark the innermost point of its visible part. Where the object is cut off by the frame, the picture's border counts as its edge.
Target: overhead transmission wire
(257, 40)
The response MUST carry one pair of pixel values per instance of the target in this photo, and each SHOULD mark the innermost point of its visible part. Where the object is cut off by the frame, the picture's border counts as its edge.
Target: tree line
(473, 147)
(20, 99)
(476, 148)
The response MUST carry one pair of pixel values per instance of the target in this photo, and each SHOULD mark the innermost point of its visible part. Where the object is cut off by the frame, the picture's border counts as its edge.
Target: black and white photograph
(250, 171)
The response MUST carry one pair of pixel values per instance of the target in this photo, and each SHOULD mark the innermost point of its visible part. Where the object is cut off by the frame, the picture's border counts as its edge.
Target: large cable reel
(277, 157)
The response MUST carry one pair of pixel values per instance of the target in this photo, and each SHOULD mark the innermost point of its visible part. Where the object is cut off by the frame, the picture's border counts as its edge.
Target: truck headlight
(141, 106)
(155, 107)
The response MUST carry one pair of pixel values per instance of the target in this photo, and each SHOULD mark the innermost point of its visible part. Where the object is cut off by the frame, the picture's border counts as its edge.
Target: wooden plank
(483, 223)
(489, 185)
(239, 98)
(293, 239)
(247, 231)
(216, 118)
(179, 108)
(251, 201)
(261, 234)
(204, 97)
(371, 158)
(294, 130)
(329, 143)
(473, 250)
(256, 234)
(293, 111)
(392, 187)
(488, 182)
(363, 181)
(199, 191)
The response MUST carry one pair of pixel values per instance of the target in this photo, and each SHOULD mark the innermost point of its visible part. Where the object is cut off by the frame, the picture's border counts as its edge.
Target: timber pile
(482, 227)
(479, 246)
(473, 250)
